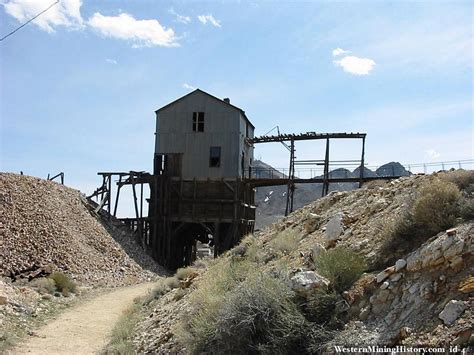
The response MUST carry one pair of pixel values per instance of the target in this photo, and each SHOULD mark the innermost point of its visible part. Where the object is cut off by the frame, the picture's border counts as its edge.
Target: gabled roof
(211, 96)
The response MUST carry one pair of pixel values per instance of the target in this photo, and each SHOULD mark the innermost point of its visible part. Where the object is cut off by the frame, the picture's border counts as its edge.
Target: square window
(215, 157)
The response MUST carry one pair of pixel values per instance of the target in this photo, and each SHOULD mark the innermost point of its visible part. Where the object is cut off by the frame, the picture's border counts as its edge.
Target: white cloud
(143, 33)
(432, 154)
(111, 61)
(339, 51)
(180, 18)
(67, 13)
(355, 65)
(189, 87)
(204, 19)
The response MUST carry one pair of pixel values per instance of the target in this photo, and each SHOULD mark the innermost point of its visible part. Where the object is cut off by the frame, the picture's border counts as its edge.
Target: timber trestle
(182, 212)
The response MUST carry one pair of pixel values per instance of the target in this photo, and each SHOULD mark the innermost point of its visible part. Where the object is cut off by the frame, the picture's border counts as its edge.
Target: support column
(362, 164)
(291, 180)
(326, 171)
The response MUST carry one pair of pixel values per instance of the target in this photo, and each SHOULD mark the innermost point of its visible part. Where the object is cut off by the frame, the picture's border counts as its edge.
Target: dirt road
(85, 328)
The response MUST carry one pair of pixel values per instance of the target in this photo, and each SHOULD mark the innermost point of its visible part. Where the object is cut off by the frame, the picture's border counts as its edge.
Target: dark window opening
(198, 121)
(215, 157)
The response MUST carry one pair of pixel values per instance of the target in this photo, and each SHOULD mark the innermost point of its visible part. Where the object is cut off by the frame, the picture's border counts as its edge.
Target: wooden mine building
(198, 190)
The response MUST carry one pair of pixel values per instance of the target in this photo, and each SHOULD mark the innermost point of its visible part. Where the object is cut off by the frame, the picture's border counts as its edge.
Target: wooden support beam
(362, 164)
(291, 178)
(326, 171)
(117, 196)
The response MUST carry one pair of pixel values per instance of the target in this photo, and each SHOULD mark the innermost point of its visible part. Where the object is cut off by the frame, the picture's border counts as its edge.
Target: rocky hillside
(48, 225)
(271, 201)
(389, 264)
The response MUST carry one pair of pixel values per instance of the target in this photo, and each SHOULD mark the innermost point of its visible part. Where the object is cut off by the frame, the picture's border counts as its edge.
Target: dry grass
(63, 283)
(463, 179)
(184, 273)
(122, 334)
(44, 285)
(285, 242)
(238, 309)
(341, 266)
(436, 208)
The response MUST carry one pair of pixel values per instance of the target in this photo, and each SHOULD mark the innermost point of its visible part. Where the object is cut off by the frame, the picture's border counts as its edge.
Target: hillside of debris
(49, 227)
(389, 264)
(271, 200)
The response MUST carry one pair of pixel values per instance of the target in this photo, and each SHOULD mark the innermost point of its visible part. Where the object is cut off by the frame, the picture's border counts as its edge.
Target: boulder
(312, 223)
(400, 264)
(304, 282)
(317, 250)
(452, 311)
(335, 227)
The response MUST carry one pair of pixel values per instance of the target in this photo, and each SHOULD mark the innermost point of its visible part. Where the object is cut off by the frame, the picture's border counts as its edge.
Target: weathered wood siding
(224, 127)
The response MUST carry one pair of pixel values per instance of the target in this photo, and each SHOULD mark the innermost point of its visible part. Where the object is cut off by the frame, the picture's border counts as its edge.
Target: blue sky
(79, 86)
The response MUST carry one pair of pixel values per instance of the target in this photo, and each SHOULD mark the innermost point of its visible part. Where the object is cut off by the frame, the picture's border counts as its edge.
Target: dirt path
(85, 328)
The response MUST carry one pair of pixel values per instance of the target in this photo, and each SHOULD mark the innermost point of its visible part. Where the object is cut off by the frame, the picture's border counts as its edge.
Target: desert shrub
(320, 306)
(285, 242)
(171, 282)
(435, 209)
(249, 315)
(466, 208)
(183, 273)
(463, 179)
(341, 266)
(63, 283)
(159, 290)
(180, 293)
(44, 285)
(317, 338)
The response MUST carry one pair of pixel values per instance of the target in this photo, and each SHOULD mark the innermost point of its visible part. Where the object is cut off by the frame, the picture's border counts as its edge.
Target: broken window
(215, 157)
(198, 121)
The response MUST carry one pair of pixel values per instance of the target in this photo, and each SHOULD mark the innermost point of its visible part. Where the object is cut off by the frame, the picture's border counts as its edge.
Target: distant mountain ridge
(271, 200)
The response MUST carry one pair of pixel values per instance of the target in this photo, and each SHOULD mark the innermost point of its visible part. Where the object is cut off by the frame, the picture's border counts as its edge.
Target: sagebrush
(63, 283)
(341, 266)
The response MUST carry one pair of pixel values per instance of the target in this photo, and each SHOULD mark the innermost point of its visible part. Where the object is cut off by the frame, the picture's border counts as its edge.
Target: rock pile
(47, 224)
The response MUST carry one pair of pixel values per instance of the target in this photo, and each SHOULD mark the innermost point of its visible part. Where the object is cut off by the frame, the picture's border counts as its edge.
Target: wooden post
(291, 176)
(119, 186)
(326, 171)
(217, 241)
(362, 165)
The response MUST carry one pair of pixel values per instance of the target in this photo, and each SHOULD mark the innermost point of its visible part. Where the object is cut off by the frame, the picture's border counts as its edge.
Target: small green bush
(159, 290)
(63, 283)
(436, 209)
(183, 273)
(341, 266)
(463, 179)
(180, 293)
(320, 307)
(44, 285)
(466, 208)
(285, 242)
(171, 282)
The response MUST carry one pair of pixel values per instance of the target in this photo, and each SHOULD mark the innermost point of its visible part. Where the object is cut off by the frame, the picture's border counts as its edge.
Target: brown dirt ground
(86, 328)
